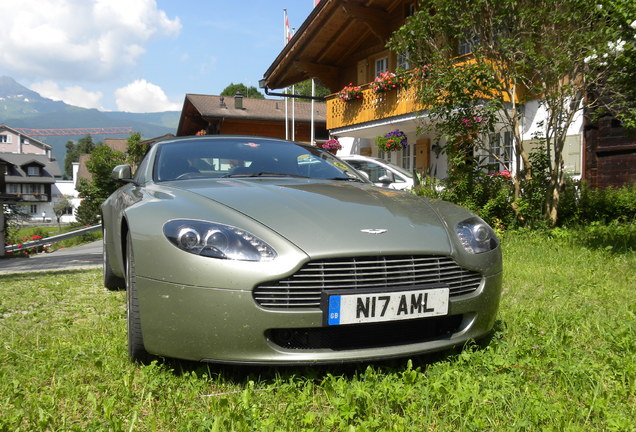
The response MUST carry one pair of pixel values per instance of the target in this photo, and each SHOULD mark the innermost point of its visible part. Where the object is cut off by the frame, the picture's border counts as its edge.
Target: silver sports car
(263, 251)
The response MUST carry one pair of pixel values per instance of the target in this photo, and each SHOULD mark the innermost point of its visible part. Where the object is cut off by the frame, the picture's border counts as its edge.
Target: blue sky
(141, 55)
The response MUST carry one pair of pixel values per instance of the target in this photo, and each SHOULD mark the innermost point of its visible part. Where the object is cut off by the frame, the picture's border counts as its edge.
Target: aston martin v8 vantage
(262, 251)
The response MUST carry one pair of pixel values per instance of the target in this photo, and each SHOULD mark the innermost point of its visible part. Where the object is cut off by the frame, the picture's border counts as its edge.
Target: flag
(316, 2)
(287, 29)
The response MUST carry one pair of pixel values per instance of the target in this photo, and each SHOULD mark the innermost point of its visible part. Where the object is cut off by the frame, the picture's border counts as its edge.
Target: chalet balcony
(34, 197)
(371, 106)
(374, 106)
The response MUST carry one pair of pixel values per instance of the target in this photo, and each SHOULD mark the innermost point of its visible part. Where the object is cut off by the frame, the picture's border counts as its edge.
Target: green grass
(563, 358)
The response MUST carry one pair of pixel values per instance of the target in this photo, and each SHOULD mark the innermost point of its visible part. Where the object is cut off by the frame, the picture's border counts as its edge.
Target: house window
(33, 171)
(13, 189)
(5, 138)
(23, 140)
(468, 44)
(406, 158)
(33, 209)
(33, 188)
(500, 152)
(403, 61)
(381, 65)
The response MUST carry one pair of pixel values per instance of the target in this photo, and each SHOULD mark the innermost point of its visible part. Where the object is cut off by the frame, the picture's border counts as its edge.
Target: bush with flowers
(350, 93)
(28, 250)
(394, 140)
(331, 145)
(386, 81)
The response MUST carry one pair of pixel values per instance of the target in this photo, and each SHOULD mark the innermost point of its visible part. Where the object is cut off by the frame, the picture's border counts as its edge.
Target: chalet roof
(117, 144)
(32, 161)
(335, 33)
(50, 168)
(82, 171)
(254, 109)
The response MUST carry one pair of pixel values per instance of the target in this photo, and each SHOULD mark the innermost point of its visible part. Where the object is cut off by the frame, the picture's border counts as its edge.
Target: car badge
(374, 230)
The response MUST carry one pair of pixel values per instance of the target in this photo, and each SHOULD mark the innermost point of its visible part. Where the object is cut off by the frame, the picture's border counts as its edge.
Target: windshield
(240, 157)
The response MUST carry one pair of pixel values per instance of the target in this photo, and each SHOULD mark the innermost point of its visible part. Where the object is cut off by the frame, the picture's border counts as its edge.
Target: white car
(381, 172)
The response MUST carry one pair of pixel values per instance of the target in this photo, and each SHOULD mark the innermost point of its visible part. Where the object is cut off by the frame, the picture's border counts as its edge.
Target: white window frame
(406, 157)
(500, 143)
(381, 65)
(403, 61)
(33, 171)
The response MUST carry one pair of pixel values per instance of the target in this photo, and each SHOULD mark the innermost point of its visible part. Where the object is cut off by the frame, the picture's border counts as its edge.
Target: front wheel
(111, 281)
(136, 350)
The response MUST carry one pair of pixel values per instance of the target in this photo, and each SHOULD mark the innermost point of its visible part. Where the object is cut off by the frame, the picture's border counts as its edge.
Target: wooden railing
(372, 106)
(377, 106)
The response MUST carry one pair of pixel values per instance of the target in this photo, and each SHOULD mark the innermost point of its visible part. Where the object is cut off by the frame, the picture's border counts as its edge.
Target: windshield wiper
(263, 174)
(354, 179)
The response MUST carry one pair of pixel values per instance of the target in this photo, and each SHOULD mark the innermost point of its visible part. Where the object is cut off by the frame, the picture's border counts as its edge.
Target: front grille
(361, 336)
(303, 289)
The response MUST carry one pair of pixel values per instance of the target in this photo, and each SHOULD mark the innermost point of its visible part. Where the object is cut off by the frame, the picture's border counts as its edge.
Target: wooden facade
(212, 115)
(610, 154)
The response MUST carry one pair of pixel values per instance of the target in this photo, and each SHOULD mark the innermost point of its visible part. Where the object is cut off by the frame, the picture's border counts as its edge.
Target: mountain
(21, 107)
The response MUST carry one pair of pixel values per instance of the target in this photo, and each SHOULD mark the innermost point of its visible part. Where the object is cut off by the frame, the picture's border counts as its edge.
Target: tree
(304, 89)
(136, 149)
(94, 192)
(73, 151)
(522, 50)
(251, 92)
(60, 208)
(618, 93)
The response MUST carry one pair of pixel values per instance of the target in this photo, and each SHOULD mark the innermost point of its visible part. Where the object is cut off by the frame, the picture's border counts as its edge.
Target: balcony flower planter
(350, 93)
(392, 141)
(332, 146)
(387, 81)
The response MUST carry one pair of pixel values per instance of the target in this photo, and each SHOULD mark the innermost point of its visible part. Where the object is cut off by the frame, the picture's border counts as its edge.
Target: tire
(111, 281)
(136, 351)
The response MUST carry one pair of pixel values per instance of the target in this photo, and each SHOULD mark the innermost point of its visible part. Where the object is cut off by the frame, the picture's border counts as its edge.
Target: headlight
(476, 236)
(217, 241)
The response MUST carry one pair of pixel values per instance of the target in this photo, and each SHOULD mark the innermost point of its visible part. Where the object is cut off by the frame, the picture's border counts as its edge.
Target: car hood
(326, 218)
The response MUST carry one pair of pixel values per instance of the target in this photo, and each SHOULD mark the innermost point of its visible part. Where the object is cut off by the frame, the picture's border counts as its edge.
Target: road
(79, 257)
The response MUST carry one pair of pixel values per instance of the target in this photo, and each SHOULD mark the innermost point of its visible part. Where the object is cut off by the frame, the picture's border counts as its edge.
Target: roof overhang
(330, 37)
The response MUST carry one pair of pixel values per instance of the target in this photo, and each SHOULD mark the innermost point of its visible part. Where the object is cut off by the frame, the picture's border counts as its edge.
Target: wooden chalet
(343, 43)
(238, 115)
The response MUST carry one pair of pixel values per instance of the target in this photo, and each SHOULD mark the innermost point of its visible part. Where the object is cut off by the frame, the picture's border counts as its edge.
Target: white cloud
(78, 39)
(141, 96)
(73, 95)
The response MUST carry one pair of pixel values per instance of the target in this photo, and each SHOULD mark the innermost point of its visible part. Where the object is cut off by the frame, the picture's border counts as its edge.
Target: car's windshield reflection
(248, 158)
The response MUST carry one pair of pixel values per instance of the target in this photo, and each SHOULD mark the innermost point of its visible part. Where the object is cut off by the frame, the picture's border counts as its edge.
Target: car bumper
(227, 326)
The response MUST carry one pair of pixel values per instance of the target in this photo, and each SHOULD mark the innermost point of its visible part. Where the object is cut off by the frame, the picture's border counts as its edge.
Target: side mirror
(121, 173)
(386, 180)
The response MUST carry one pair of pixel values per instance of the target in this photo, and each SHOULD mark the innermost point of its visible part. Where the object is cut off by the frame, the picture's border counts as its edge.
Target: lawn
(562, 358)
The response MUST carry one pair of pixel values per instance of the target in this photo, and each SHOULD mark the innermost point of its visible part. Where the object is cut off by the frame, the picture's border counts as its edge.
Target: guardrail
(53, 239)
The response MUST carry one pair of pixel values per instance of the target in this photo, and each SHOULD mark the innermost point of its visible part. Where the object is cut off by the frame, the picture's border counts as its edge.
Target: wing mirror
(386, 179)
(122, 173)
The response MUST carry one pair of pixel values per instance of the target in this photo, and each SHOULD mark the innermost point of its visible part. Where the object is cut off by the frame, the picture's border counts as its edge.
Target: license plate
(370, 307)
